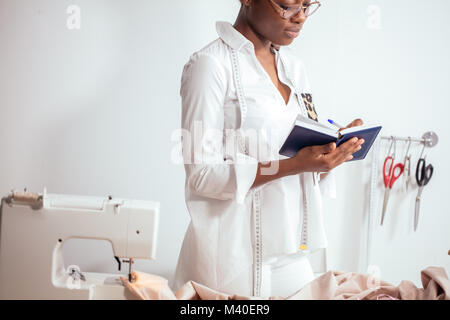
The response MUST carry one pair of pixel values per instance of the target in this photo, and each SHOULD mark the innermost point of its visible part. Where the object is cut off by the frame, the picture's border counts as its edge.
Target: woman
(254, 217)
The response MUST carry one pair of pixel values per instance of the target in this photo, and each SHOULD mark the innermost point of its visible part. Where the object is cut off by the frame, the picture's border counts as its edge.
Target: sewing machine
(34, 227)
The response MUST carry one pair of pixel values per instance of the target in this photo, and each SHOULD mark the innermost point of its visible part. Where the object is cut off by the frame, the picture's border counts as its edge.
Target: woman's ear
(246, 3)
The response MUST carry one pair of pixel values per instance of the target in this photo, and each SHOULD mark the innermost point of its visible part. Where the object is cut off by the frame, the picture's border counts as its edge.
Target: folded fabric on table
(333, 285)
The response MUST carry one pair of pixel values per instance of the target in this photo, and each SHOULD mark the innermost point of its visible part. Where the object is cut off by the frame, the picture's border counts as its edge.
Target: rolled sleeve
(210, 172)
(245, 172)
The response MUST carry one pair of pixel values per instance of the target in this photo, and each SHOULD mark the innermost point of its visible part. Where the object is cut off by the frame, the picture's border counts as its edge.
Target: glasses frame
(301, 8)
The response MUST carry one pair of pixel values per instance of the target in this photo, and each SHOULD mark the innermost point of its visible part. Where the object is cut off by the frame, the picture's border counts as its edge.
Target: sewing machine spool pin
(33, 199)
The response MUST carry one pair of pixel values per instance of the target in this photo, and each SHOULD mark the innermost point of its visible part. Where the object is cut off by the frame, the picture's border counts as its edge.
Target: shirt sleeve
(210, 172)
(327, 185)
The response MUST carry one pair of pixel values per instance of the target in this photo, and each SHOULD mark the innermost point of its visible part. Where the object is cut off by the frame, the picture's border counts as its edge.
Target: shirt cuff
(245, 170)
(328, 185)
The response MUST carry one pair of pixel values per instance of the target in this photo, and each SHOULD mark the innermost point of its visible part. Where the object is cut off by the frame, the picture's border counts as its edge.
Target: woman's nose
(299, 17)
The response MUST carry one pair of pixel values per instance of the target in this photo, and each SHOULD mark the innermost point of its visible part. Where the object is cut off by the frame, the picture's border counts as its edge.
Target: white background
(92, 111)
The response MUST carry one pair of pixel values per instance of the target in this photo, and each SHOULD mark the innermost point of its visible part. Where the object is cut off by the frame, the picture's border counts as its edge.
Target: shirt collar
(231, 36)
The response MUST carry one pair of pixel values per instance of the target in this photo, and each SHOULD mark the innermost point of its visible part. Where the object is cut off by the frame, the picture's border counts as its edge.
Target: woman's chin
(284, 42)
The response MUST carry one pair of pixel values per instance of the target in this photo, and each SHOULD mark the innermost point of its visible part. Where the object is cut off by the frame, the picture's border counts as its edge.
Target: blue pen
(334, 123)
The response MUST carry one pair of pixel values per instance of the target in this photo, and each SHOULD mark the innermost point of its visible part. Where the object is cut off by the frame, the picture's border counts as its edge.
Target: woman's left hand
(354, 123)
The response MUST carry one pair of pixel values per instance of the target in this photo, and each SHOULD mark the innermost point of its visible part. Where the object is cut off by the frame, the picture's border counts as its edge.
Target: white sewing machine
(34, 227)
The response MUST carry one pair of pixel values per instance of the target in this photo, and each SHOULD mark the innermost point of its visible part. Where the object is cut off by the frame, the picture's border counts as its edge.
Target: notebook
(307, 132)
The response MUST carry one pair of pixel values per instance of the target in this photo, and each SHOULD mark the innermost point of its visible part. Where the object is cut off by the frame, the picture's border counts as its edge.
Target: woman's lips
(292, 33)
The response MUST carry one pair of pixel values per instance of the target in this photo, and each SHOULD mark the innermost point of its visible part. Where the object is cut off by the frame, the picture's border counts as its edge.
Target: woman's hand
(327, 157)
(354, 123)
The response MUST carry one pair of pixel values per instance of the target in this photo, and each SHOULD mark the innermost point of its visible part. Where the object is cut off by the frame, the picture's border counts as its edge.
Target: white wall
(91, 112)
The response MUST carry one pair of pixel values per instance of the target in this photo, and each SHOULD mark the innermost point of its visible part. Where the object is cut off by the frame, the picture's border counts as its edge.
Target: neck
(261, 45)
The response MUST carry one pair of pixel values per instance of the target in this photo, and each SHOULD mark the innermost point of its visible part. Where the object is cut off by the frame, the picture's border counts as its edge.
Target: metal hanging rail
(404, 139)
(430, 139)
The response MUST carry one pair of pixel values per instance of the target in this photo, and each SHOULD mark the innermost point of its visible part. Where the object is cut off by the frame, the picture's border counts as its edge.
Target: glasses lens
(311, 9)
(308, 10)
(293, 11)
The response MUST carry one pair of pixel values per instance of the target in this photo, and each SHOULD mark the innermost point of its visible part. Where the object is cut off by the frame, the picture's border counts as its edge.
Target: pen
(334, 123)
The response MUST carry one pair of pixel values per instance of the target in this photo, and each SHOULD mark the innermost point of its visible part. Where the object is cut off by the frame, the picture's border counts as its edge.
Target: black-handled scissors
(423, 176)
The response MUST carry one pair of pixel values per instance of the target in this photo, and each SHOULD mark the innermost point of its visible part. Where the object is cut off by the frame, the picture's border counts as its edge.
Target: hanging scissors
(407, 166)
(391, 173)
(423, 176)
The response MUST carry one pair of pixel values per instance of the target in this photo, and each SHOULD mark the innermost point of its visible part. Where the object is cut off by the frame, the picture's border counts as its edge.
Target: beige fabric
(333, 285)
(148, 287)
(354, 286)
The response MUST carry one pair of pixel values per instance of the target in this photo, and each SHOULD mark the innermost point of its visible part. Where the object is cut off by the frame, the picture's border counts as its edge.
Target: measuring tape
(304, 232)
(256, 194)
(304, 228)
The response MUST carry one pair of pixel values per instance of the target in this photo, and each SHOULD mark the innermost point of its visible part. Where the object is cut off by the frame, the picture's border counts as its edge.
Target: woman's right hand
(327, 157)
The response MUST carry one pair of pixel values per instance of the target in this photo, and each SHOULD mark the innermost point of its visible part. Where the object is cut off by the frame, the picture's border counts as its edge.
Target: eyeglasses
(287, 12)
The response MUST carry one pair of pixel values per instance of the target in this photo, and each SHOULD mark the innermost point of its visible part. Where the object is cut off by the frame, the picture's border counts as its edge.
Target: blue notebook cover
(301, 137)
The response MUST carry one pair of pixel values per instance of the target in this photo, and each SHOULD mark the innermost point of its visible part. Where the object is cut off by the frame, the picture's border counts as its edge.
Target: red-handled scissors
(391, 173)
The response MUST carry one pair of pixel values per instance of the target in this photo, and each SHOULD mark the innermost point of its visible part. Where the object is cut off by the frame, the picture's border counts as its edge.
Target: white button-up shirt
(235, 230)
